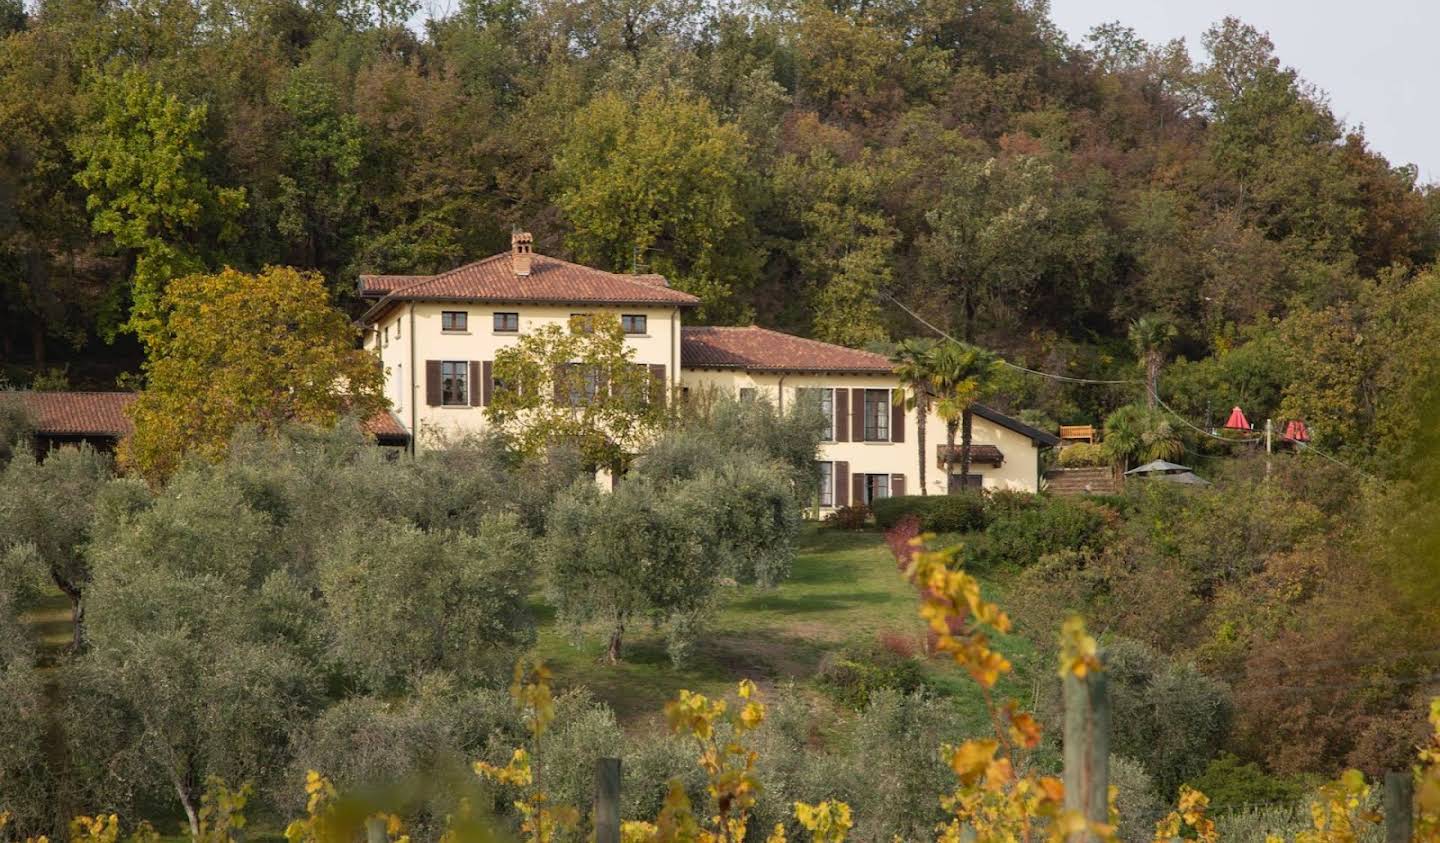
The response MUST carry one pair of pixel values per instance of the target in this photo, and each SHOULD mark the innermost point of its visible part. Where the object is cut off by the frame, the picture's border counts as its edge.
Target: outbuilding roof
(103, 414)
(760, 349)
(550, 280)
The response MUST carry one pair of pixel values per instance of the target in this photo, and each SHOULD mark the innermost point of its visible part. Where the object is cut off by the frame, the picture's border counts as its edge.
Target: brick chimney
(521, 251)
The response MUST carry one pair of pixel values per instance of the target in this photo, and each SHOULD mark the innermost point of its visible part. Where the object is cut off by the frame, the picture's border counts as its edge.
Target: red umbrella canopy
(1295, 431)
(1237, 420)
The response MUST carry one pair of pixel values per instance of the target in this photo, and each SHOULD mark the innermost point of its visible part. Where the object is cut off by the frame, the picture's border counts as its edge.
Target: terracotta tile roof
(79, 413)
(762, 349)
(375, 286)
(979, 455)
(103, 414)
(550, 280)
(385, 427)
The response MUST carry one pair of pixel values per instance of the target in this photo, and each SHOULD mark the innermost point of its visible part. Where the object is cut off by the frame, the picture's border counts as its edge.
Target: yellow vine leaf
(1079, 654)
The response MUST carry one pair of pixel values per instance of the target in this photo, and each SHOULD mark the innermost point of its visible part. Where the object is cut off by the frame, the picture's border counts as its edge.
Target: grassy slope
(844, 590)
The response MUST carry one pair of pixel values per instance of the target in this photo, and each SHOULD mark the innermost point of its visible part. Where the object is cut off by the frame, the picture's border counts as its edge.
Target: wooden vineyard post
(1399, 807)
(375, 830)
(607, 800)
(1087, 750)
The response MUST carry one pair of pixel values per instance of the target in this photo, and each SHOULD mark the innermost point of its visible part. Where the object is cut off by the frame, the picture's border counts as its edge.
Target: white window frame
(882, 420)
(464, 378)
(827, 398)
(869, 480)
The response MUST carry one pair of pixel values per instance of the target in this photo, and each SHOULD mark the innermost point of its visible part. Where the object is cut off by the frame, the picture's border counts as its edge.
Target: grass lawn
(844, 590)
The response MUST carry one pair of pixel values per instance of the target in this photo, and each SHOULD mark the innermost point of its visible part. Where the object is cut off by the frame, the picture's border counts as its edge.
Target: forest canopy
(803, 165)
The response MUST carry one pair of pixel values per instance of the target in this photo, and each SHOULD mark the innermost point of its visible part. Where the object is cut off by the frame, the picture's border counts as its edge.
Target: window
(507, 323)
(582, 382)
(823, 398)
(877, 415)
(877, 486)
(397, 329)
(454, 320)
(633, 323)
(454, 383)
(747, 393)
(827, 483)
(973, 482)
(582, 323)
(387, 336)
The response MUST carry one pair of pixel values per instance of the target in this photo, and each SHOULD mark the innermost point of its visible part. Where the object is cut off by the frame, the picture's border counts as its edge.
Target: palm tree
(1151, 335)
(962, 374)
(1138, 434)
(912, 359)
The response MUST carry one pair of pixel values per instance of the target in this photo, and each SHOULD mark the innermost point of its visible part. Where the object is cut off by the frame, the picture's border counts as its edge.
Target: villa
(437, 336)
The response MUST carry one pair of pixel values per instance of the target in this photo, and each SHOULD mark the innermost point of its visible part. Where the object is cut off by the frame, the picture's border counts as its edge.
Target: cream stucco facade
(883, 456)
(414, 332)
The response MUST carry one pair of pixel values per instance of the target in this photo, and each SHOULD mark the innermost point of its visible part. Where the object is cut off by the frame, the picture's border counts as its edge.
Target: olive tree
(199, 633)
(400, 601)
(46, 508)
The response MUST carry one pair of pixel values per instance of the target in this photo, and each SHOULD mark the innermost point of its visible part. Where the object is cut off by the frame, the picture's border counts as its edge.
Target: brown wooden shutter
(476, 395)
(558, 375)
(857, 414)
(432, 383)
(842, 418)
(487, 382)
(897, 485)
(857, 488)
(602, 383)
(657, 383)
(842, 483)
(897, 416)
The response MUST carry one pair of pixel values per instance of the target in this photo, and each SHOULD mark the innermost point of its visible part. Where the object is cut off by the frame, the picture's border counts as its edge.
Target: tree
(913, 359)
(985, 231)
(962, 374)
(578, 386)
(143, 158)
(401, 601)
(234, 349)
(1150, 335)
(659, 181)
(1138, 433)
(631, 553)
(201, 636)
(846, 246)
(696, 508)
(46, 508)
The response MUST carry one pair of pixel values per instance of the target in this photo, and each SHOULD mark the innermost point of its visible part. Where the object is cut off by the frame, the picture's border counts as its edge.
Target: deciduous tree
(577, 386)
(235, 349)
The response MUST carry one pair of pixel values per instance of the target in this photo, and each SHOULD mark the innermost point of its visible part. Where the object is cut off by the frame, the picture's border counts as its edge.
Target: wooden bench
(1078, 433)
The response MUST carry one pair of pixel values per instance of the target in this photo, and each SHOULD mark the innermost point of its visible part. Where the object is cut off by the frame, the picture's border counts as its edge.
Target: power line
(1127, 381)
(947, 335)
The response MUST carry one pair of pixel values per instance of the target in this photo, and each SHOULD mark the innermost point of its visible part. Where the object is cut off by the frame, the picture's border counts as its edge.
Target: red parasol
(1237, 421)
(1295, 431)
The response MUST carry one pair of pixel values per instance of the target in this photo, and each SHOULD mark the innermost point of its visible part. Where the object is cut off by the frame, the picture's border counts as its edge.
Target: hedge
(959, 513)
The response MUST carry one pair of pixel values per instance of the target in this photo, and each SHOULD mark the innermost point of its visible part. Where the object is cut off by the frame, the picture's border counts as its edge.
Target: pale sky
(1379, 60)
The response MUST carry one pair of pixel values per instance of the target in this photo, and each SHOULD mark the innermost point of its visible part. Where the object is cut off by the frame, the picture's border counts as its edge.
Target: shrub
(1083, 455)
(1020, 537)
(958, 513)
(851, 677)
(1135, 800)
(850, 517)
(1230, 782)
